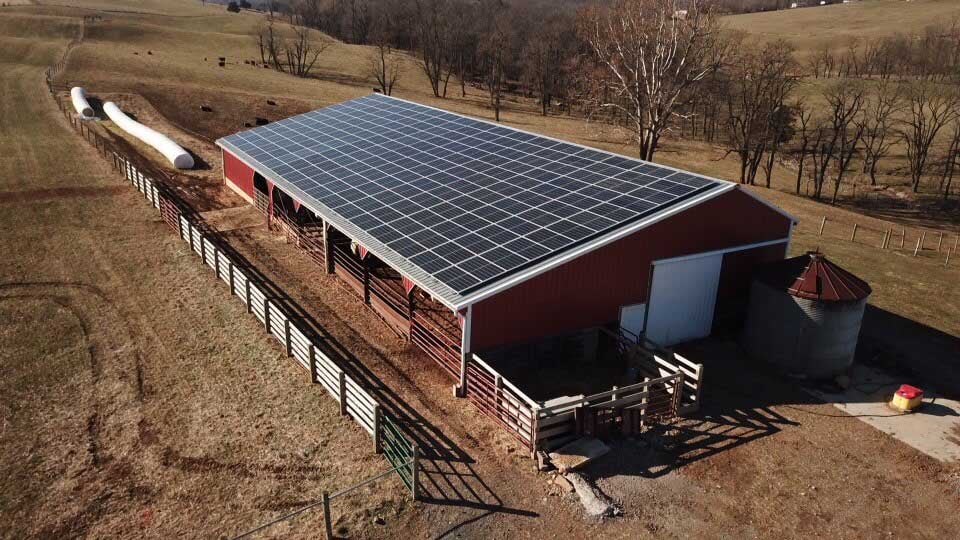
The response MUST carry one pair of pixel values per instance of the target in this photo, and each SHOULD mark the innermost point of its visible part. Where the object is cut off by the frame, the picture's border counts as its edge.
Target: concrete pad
(578, 453)
(933, 429)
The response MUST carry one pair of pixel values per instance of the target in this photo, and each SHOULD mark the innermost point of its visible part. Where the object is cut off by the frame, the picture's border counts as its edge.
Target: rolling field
(138, 400)
(809, 29)
(176, 79)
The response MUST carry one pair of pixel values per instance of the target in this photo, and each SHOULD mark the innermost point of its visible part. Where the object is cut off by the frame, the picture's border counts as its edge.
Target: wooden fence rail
(243, 284)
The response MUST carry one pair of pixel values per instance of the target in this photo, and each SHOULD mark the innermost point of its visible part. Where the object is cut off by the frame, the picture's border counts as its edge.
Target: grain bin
(804, 316)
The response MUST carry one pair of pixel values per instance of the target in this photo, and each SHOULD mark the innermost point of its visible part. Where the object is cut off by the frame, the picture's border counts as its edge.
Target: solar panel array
(466, 201)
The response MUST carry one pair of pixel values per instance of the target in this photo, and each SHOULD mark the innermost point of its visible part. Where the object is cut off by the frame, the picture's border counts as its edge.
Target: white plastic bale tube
(179, 157)
(79, 98)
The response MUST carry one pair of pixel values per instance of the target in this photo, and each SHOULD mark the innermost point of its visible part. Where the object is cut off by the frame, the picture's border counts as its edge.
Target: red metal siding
(590, 289)
(238, 173)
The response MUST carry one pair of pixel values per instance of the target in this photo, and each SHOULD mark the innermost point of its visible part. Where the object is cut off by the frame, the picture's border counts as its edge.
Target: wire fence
(261, 300)
(918, 242)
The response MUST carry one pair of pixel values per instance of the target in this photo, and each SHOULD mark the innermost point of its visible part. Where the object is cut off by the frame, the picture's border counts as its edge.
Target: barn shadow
(447, 472)
(742, 396)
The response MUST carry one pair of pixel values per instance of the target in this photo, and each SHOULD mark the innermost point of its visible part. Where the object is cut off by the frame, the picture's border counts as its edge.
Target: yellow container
(907, 398)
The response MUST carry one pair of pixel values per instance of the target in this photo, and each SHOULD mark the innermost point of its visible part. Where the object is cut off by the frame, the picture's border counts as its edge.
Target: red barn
(467, 235)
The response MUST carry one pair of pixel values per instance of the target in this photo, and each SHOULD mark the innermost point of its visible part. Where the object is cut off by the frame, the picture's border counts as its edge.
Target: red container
(909, 392)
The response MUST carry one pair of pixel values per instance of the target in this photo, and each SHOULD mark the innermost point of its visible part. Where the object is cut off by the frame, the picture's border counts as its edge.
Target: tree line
(653, 67)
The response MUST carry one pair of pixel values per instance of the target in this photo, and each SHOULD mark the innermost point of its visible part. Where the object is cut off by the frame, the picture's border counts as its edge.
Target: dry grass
(223, 431)
(836, 25)
(137, 398)
(177, 81)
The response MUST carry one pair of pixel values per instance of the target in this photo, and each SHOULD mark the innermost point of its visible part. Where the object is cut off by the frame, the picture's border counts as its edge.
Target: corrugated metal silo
(804, 316)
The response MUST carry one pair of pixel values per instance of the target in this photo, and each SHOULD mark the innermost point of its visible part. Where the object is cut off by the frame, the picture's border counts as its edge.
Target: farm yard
(160, 408)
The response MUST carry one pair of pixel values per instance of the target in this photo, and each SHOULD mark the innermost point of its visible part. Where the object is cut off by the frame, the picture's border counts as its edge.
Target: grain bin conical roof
(814, 277)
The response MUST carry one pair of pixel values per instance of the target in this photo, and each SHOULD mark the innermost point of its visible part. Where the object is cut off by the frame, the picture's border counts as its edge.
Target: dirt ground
(161, 410)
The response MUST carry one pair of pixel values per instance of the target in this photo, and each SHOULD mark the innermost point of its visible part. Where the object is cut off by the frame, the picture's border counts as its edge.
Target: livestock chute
(179, 157)
(79, 98)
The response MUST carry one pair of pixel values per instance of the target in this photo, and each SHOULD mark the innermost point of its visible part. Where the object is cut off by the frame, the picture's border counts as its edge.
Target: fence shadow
(448, 475)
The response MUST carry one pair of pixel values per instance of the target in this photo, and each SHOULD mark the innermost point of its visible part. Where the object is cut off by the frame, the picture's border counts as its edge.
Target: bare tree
(385, 65)
(543, 57)
(433, 31)
(951, 159)
(270, 46)
(493, 50)
(803, 114)
(877, 122)
(759, 81)
(652, 56)
(836, 135)
(929, 108)
(302, 52)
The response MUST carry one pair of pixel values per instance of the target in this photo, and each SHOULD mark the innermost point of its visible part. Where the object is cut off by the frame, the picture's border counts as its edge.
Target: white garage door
(682, 297)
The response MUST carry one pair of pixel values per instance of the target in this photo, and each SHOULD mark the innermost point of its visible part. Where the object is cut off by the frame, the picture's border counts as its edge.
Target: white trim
(465, 347)
(304, 201)
(723, 251)
(583, 249)
(236, 189)
(467, 300)
(786, 252)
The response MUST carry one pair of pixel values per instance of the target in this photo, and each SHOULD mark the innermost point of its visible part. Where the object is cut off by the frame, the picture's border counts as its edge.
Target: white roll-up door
(683, 294)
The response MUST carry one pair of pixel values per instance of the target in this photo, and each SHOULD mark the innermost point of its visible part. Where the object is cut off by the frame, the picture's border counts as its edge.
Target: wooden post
(678, 393)
(883, 241)
(917, 250)
(343, 394)
(822, 223)
(946, 262)
(327, 249)
(643, 402)
(956, 242)
(377, 444)
(216, 262)
(613, 396)
(249, 307)
(312, 354)
(903, 236)
(415, 462)
(232, 283)
(853, 237)
(328, 525)
(266, 314)
(923, 239)
(286, 336)
(939, 240)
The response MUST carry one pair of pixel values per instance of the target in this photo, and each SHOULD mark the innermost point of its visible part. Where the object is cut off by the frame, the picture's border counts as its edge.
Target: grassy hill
(810, 28)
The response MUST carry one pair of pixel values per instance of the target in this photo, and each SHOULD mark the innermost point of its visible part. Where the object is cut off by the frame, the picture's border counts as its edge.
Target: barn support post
(461, 389)
(327, 248)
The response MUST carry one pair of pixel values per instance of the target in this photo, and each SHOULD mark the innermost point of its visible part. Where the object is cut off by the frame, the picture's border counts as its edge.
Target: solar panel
(465, 201)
